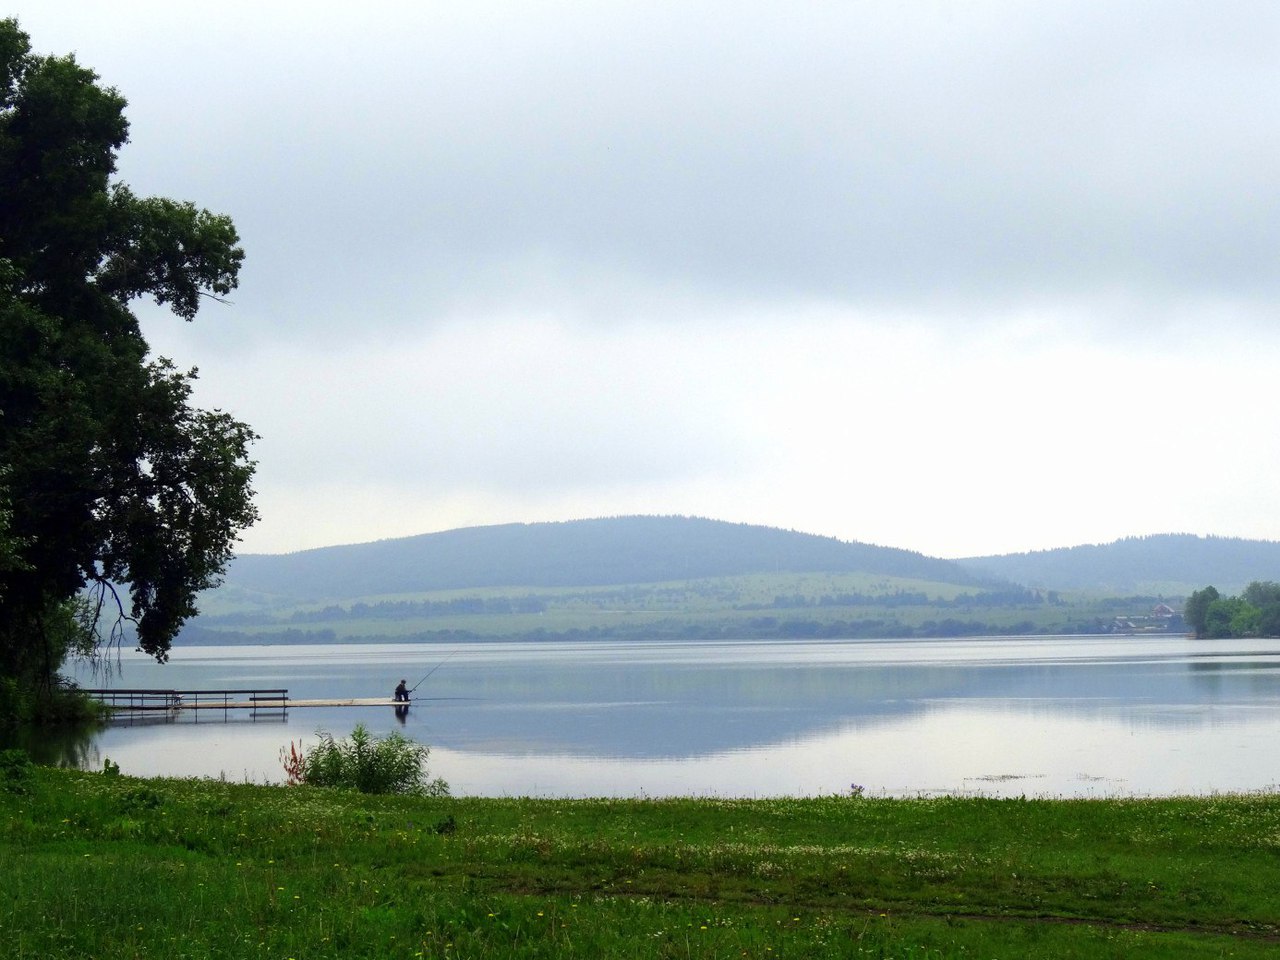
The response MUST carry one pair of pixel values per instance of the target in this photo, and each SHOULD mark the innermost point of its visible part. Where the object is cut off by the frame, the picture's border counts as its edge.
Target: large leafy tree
(116, 486)
(1196, 610)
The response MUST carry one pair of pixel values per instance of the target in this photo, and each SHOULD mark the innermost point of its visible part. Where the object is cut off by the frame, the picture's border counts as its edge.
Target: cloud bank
(960, 280)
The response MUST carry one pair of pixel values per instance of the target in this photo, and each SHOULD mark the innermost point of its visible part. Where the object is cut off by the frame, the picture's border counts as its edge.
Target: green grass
(112, 867)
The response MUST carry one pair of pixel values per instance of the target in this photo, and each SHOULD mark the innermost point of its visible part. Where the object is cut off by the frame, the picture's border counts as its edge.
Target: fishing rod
(432, 670)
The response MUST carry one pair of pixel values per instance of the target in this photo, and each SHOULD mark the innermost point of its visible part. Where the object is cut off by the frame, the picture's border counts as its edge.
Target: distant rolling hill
(1168, 564)
(682, 578)
(577, 553)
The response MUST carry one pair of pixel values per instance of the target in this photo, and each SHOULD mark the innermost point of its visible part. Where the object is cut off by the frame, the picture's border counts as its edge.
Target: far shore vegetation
(752, 606)
(1255, 613)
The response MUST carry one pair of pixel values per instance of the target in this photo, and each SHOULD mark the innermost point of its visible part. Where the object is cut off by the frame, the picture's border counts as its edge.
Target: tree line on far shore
(1255, 613)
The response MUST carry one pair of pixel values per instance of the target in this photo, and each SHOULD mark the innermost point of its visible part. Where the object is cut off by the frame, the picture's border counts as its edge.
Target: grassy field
(742, 607)
(715, 593)
(111, 867)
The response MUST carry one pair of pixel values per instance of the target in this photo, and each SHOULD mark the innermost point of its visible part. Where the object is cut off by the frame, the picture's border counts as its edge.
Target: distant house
(1163, 619)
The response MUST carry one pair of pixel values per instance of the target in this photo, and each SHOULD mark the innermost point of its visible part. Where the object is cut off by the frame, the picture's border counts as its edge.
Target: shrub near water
(391, 764)
(15, 771)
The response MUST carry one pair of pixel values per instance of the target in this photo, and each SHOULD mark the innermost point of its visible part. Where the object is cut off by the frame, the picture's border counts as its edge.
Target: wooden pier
(164, 705)
(168, 704)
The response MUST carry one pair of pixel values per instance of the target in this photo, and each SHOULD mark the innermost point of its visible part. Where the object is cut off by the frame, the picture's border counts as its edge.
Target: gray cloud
(406, 159)
(820, 265)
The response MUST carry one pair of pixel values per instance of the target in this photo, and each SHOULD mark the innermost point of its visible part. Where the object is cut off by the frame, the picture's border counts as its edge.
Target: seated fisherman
(402, 691)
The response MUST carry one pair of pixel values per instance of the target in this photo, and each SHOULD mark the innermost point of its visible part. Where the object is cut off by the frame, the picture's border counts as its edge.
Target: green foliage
(58, 703)
(112, 477)
(15, 771)
(10, 559)
(1196, 610)
(1256, 613)
(1262, 593)
(1269, 620)
(1246, 619)
(1223, 615)
(14, 700)
(392, 764)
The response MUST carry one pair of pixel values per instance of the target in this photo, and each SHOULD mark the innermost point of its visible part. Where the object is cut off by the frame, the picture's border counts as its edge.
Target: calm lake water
(1059, 716)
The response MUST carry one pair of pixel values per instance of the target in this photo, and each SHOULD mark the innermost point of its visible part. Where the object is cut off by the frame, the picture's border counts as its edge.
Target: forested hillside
(578, 553)
(637, 578)
(1170, 564)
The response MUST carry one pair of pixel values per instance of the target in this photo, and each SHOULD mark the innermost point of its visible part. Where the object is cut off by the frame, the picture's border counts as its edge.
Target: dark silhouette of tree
(114, 480)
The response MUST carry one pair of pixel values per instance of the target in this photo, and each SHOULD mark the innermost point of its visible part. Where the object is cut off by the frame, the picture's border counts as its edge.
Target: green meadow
(767, 606)
(113, 867)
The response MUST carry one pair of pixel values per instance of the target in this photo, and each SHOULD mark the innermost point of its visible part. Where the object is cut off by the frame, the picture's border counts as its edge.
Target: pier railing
(133, 702)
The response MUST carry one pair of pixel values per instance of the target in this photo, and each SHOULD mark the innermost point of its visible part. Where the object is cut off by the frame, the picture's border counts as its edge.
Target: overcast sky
(959, 278)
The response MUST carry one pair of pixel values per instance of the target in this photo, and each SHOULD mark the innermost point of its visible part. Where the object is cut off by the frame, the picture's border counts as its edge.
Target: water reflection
(1073, 716)
(68, 745)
